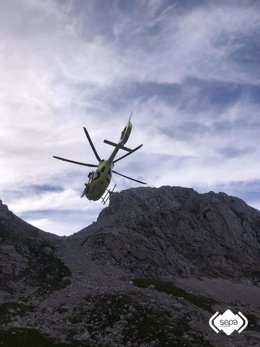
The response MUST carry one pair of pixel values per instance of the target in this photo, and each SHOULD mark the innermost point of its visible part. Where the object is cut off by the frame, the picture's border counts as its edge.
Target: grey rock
(27, 257)
(173, 231)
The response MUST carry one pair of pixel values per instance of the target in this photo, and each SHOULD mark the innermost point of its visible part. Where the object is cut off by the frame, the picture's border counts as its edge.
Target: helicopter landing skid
(107, 195)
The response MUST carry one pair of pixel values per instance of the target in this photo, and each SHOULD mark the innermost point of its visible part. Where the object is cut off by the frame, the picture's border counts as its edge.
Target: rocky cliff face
(150, 272)
(27, 258)
(172, 231)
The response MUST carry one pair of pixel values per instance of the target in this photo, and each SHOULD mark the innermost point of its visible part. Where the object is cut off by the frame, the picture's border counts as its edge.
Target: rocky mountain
(150, 272)
(27, 258)
(173, 231)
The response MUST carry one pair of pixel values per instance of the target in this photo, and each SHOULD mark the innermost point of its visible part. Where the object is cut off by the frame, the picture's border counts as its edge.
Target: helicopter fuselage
(101, 178)
(99, 181)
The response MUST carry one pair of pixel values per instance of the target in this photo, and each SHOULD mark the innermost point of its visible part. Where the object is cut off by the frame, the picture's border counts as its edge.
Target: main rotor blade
(128, 177)
(75, 162)
(127, 154)
(91, 144)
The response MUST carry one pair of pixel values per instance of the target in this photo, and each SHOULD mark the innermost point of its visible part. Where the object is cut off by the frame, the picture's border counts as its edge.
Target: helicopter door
(97, 175)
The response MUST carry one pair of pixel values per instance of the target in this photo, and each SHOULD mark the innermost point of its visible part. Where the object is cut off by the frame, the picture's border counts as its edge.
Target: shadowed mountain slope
(28, 262)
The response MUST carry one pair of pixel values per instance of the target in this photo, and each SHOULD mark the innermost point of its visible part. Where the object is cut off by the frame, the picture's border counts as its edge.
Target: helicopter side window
(97, 175)
(103, 169)
(109, 172)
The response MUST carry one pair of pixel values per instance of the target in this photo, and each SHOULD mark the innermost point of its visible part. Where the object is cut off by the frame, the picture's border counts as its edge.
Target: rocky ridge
(27, 258)
(150, 272)
(173, 231)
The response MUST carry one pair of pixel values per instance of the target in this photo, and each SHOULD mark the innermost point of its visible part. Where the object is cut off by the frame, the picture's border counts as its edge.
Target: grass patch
(45, 269)
(200, 301)
(105, 310)
(140, 324)
(136, 323)
(32, 338)
(16, 308)
(182, 328)
(149, 325)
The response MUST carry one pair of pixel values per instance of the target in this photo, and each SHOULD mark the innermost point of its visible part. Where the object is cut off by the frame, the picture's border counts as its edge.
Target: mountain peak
(171, 231)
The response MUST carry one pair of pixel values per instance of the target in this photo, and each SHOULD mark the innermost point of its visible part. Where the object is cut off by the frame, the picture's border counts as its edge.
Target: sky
(188, 70)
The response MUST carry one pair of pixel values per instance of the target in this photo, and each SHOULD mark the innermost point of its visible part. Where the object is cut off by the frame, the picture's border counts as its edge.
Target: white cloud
(67, 199)
(61, 210)
(61, 229)
(61, 69)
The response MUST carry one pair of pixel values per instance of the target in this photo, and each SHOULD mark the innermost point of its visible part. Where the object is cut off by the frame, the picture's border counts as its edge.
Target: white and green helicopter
(100, 179)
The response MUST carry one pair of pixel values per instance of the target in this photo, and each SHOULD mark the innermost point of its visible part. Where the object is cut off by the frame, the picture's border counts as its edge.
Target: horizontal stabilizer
(117, 145)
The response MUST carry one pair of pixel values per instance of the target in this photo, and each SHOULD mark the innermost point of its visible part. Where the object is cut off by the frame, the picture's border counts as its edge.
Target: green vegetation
(200, 301)
(9, 309)
(182, 328)
(138, 323)
(101, 315)
(157, 325)
(151, 325)
(45, 269)
(32, 338)
(105, 312)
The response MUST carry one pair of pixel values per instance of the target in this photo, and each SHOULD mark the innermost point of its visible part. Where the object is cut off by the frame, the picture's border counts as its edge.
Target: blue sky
(189, 71)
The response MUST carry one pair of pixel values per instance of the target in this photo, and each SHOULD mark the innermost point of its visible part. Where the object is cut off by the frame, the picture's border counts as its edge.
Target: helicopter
(98, 181)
